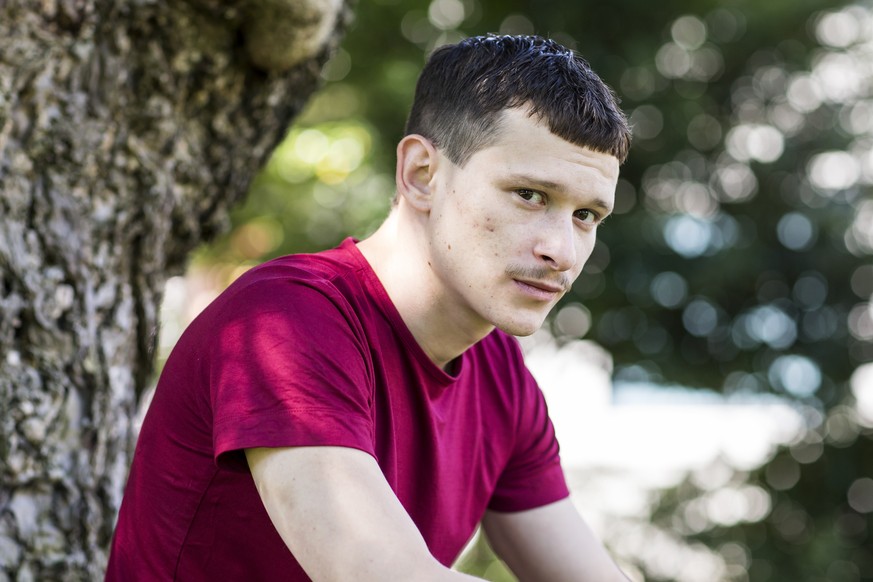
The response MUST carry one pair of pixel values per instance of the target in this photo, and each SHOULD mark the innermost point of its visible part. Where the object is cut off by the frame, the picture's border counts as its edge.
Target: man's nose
(556, 244)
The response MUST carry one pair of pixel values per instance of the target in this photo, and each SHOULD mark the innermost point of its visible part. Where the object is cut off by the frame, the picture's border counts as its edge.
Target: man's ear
(417, 160)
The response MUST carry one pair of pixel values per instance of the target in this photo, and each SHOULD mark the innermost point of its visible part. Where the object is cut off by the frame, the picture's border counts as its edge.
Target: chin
(519, 328)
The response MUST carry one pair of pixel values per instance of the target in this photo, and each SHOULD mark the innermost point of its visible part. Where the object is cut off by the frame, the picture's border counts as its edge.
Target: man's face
(511, 230)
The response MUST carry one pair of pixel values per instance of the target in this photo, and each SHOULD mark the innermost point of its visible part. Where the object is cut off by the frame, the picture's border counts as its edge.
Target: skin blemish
(450, 247)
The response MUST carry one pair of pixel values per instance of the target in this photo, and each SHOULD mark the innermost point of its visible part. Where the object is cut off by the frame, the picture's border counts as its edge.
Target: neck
(398, 253)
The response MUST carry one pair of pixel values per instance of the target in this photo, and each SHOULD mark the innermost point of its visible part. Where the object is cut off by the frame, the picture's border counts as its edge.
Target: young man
(354, 414)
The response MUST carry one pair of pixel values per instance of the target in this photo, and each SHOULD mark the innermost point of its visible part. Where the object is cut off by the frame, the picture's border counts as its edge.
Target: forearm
(550, 544)
(339, 517)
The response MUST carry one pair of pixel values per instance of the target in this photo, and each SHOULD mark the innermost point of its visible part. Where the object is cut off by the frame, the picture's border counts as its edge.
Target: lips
(543, 286)
(540, 291)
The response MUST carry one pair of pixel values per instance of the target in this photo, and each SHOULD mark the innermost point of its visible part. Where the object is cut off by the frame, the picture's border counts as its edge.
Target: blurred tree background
(738, 259)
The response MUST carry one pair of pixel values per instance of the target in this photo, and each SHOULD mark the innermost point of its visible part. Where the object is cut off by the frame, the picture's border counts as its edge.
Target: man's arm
(550, 544)
(340, 518)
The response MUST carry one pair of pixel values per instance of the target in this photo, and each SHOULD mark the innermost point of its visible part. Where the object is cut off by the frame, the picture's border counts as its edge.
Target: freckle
(450, 247)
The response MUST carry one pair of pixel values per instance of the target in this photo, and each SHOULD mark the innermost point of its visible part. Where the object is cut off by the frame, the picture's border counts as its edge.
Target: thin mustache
(540, 274)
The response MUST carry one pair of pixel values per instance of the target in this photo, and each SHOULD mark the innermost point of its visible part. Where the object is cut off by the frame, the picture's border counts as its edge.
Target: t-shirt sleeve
(533, 476)
(288, 367)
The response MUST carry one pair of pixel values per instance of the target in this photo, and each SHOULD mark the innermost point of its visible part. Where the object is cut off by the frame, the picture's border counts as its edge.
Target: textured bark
(127, 130)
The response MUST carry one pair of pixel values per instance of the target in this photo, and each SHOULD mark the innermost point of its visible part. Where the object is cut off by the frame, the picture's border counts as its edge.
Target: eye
(530, 195)
(586, 216)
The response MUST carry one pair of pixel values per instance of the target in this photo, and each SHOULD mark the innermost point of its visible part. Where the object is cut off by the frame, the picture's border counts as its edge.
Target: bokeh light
(763, 143)
(669, 289)
(796, 231)
(687, 235)
(796, 375)
(860, 495)
(832, 171)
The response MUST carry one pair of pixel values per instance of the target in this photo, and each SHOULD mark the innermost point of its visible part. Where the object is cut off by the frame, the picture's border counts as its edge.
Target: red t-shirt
(309, 350)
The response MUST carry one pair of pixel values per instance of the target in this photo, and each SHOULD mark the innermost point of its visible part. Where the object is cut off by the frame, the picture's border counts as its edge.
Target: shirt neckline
(383, 300)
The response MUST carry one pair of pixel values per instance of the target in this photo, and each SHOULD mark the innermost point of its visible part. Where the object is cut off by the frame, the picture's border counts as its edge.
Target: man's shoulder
(322, 267)
(300, 286)
(332, 271)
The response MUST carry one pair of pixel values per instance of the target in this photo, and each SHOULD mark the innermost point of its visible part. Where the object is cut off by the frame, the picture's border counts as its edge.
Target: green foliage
(814, 520)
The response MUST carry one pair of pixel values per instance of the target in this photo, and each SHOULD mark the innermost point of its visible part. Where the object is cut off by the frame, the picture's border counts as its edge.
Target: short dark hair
(465, 87)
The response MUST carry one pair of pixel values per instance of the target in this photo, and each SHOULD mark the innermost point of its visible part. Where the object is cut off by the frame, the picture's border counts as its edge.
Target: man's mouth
(540, 290)
(542, 279)
(543, 285)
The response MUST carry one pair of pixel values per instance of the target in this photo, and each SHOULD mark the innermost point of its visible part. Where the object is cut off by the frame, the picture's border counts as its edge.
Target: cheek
(584, 252)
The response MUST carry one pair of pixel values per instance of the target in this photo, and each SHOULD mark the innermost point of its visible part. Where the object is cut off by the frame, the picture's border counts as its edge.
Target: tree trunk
(127, 130)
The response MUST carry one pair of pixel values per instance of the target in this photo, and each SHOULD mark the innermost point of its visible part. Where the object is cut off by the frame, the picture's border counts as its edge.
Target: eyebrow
(595, 201)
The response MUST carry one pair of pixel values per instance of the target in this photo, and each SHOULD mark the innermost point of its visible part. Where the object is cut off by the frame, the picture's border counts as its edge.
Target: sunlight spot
(694, 198)
(446, 14)
(689, 32)
(796, 232)
(832, 171)
(310, 145)
(787, 119)
(804, 94)
(673, 61)
(700, 318)
(840, 76)
(862, 390)
(736, 182)
(573, 320)
(860, 495)
(763, 143)
(858, 119)
(687, 235)
(669, 289)
(768, 324)
(837, 29)
(646, 122)
(861, 321)
(707, 63)
(797, 375)
(859, 238)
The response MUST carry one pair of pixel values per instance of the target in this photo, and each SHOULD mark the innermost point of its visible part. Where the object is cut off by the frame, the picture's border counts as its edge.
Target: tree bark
(127, 130)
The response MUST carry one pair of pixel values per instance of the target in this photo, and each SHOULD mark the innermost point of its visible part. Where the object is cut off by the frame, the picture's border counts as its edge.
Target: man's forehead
(522, 138)
(518, 123)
